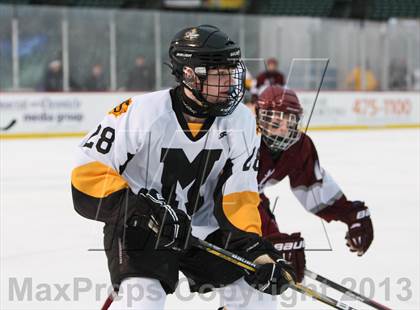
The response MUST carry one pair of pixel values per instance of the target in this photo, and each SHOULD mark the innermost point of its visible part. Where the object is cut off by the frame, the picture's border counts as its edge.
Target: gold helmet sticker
(192, 34)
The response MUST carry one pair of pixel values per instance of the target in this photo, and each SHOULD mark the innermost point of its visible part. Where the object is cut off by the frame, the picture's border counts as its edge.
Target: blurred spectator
(250, 91)
(96, 80)
(53, 78)
(416, 79)
(140, 77)
(249, 99)
(354, 79)
(271, 76)
(398, 75)
(249, 81)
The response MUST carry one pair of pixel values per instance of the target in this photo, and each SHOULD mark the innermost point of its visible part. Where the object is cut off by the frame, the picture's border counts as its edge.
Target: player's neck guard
(178, 107)
(190, 106)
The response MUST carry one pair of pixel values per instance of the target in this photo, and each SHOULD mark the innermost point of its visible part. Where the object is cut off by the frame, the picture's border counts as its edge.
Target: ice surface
(44, 241)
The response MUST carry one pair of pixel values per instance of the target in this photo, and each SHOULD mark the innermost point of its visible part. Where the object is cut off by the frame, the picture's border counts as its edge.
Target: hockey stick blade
(10, 125)
(345, 290)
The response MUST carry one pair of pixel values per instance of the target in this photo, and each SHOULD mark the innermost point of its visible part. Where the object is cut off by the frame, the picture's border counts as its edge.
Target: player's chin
(221, 98)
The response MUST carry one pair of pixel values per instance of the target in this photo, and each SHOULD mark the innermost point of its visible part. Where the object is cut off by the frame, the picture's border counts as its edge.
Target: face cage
(269, 121)
(221, 88)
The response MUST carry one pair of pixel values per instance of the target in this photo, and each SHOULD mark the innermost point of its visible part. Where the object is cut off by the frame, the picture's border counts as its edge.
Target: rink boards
(73, 114)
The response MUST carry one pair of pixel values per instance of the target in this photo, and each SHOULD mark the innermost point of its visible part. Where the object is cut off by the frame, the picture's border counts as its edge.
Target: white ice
(44, 241)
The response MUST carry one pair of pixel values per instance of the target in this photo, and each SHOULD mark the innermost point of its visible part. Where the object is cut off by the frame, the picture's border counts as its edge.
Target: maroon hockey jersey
(310, 183)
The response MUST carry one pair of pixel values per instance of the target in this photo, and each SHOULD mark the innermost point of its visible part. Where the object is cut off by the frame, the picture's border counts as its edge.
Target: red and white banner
(362, 109)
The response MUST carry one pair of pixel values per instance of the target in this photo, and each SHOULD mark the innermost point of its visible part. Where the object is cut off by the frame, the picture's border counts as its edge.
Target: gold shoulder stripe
(121, 108)
(97, 180)
(241, 209)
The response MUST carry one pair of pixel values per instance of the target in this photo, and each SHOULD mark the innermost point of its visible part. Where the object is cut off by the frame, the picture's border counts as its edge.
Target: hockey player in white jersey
(183, 157)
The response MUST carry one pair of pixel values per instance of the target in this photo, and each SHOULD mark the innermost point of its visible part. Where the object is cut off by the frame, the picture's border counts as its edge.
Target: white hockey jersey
(145, 142)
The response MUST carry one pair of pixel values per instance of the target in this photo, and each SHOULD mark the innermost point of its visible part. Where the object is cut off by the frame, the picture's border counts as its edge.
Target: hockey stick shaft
(108, 301)
(345, 290)
(246, 264)
(241, 262)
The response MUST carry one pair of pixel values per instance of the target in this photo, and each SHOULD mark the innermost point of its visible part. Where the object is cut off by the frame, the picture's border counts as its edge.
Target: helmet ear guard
(189, 77)
(194, 83)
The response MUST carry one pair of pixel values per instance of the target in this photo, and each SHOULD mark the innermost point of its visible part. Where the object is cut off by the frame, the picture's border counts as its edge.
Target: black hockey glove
(360, 229)
(272, 278)
(152, 224)
(273, 274)
(171, 225)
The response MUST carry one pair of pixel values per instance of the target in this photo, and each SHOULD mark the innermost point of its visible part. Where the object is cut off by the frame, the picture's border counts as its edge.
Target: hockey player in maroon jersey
(287, 151)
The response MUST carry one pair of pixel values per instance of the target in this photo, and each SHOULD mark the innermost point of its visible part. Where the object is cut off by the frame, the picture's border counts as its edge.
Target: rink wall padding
(40, 115)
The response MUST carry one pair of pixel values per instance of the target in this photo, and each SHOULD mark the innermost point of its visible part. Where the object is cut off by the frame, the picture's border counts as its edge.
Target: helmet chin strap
(275, 152)
(190, 106)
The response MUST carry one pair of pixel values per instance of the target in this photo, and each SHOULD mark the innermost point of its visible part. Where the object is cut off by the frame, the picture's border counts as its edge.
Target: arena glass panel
(404, 59)
(39, 43)
(134, 38)
(89, 44)
(250, 51)
(6, 75)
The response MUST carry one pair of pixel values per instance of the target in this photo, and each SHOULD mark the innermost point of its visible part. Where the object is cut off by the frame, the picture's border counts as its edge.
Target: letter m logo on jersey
(178, 169)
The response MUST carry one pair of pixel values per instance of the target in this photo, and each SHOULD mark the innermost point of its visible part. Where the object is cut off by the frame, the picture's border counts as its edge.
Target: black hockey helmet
(219, 72)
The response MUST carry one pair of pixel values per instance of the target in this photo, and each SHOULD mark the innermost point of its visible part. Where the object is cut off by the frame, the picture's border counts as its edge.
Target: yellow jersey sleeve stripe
(241, 209)
(97, 180)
